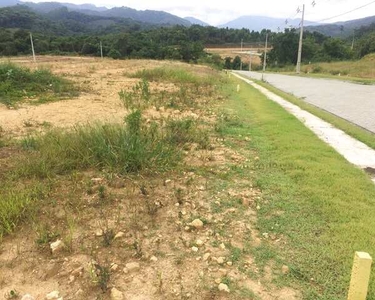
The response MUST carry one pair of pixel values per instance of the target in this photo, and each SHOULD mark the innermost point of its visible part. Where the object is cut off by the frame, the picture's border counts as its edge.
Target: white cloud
(218, 12)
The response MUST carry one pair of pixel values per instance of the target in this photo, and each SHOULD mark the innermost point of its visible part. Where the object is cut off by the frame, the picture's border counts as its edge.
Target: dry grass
(362, 71)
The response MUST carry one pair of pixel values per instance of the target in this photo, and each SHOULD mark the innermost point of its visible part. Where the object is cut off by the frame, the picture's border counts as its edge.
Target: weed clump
(185, 131)
(138, 97)
(124, 148)
(175, 75)
(17, 83)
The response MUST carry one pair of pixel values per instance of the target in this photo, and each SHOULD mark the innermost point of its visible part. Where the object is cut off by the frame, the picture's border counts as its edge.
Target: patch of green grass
(360, 71)
(351, 129)
(124, 148)
(18, 203)
(317, 202)
(169, 74)
(18, 83)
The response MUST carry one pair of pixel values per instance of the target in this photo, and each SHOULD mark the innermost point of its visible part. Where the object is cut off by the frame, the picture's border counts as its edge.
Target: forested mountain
(342, 29)
(149, 16)
(63, 22)
(196, 21)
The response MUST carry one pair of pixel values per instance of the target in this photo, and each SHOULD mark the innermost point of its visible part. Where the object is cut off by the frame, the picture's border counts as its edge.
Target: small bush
(138, 98)
(317, 69)
(180, 132)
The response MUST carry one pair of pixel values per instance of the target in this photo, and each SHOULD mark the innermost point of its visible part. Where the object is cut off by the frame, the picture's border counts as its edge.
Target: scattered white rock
(119, 235)
(220, 260)
(199, 242)
(57, 246)
(53, 295)
(154, 259)
(222, 246)
(194, 249)
(27, 297)
(71, 278)
(265, 235)
(132, 267)
(114, 267)
(224, 288)
(116, 294)
(99, 232)
(197, 224)
(167, 181)
(218, 280)
(229, 263)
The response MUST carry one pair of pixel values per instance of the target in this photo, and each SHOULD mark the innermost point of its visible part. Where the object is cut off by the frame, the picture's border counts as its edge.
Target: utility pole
(298, 70)
(265, 54)
(241, 53)
(101, 50)
(32, 47)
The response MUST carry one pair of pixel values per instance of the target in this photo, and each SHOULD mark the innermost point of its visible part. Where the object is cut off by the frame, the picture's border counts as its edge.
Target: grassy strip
(132, 147)
(351, 129)
(175, 75)
(319, 205)
(360, 71)
(17, 83)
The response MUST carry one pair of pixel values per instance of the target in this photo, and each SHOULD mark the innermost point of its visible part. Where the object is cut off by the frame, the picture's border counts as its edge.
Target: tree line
(127, 39)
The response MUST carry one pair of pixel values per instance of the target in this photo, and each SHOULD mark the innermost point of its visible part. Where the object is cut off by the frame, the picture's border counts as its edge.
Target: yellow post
(360, 276)
(238, 88)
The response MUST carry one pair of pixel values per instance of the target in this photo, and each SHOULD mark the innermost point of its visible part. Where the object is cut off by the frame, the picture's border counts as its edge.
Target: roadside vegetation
(316, 209)
(360, 71)
(351, 129)
(39, 86)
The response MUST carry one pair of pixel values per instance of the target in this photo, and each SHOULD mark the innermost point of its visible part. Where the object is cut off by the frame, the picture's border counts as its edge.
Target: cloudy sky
(217, 12)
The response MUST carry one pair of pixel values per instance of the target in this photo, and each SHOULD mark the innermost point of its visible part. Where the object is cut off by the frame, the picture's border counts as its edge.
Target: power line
(348, 12)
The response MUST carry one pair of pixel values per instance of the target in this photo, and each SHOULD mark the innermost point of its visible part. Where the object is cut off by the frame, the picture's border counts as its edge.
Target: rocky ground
(186, 234)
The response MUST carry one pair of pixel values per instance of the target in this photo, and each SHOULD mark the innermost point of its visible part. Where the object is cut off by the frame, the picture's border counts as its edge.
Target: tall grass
(124, 148)
(17, 83)
(181, 132)
(362, 71)
(175, 75)
(17, 202)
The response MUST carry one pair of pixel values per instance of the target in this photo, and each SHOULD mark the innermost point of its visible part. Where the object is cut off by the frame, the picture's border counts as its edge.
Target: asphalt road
(351, 101)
